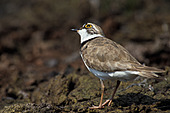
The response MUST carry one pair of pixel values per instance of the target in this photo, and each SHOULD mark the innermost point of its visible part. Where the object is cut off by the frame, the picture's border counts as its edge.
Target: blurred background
(36, 42)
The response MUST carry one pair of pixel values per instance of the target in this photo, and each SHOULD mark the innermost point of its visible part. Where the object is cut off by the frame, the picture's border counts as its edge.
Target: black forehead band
(84, 25)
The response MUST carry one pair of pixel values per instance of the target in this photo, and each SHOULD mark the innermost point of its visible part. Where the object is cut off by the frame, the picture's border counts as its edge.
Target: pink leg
(109, 101)
(100, 105)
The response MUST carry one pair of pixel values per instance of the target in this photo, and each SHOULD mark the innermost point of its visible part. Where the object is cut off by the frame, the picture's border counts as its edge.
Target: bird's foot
(97, 107)
(109, 101)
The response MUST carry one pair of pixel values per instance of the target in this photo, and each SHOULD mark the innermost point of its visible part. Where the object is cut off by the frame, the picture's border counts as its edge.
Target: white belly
(117, 75)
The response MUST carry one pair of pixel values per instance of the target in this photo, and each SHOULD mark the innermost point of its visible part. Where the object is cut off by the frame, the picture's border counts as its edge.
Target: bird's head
(89, 31)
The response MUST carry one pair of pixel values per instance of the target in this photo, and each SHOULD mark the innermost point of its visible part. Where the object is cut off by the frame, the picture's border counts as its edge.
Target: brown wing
(105, 55)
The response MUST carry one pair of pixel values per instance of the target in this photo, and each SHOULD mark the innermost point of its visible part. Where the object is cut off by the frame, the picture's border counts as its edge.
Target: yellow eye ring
(88, 26)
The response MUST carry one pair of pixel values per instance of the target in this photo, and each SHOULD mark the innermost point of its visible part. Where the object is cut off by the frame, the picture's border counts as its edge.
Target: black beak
(74, 30)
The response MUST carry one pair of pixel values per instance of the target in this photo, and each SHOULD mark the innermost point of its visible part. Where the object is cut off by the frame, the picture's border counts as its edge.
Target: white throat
(86, 36)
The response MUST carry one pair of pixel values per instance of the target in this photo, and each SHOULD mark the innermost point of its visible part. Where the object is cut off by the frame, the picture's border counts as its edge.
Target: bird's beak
(77, 29)
(74, 30)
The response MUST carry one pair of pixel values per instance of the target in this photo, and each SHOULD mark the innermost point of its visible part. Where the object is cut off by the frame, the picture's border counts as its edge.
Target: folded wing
(113, 57)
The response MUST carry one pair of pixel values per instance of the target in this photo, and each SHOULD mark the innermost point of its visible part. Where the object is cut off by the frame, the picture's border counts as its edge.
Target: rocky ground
(40, 66)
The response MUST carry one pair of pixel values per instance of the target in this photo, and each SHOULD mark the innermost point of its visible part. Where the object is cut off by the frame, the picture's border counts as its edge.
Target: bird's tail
(149, 72)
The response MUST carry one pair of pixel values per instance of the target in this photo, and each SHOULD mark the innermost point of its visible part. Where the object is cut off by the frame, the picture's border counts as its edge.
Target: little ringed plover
(108, 60)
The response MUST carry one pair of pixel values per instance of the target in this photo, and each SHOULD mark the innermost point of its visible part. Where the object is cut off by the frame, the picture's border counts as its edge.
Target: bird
(108, 60)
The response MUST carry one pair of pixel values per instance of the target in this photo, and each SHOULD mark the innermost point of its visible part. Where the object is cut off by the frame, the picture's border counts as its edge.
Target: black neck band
(82, 44)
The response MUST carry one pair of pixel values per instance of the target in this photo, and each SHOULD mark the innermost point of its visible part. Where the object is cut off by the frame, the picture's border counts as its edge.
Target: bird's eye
(88, 26)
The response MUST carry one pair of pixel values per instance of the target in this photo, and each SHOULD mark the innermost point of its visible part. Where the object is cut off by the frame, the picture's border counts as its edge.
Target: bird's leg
(100, 105)
(109, 101)
(102, 89)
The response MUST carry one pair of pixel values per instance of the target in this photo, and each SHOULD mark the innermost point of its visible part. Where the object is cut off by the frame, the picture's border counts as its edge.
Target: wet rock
(78, 92)
(30, 108)
(67, 90)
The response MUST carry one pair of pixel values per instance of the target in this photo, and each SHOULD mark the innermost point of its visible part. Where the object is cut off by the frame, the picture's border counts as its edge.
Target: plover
(108, 60)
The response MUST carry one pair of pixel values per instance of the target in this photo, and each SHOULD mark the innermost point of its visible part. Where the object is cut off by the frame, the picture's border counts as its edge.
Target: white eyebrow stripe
(95, 27)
